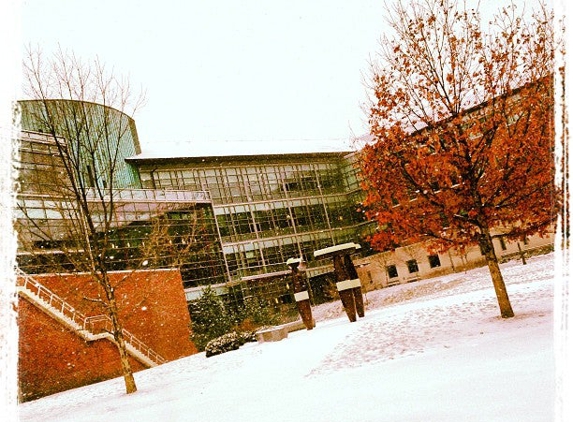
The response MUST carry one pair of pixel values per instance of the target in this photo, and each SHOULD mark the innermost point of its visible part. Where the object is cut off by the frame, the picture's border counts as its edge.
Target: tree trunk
(521, 254)
(496, 277)
(126, 370)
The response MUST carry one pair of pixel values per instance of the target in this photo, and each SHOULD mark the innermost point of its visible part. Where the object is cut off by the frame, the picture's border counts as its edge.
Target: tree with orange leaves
(462, 127)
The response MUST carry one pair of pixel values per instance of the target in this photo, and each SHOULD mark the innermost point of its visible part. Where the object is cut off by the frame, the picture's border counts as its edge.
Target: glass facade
(149, 228)
(98, 134)
(270, 208)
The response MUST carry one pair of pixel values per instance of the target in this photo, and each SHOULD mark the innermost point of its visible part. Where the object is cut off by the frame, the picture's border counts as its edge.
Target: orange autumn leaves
(462, 123)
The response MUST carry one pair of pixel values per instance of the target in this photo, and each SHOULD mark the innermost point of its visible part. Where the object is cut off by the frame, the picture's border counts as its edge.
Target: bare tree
(86, 111)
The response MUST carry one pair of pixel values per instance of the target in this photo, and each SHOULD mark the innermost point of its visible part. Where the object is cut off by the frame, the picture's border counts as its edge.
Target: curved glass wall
(99, 136)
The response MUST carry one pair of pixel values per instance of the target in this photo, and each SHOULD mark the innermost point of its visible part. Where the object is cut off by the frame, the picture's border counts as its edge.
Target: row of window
(240, 223)
(351, 174)
(251, 183)
(434, 261)
(162, 233)
(271, 255)
(412, 265)
(42, 167)
(55, 212)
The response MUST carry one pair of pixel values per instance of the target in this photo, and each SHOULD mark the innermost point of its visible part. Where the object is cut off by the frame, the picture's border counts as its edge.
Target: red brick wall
(53, 358)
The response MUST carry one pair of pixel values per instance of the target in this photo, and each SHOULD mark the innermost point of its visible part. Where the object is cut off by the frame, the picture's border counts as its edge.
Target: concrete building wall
(391, 268)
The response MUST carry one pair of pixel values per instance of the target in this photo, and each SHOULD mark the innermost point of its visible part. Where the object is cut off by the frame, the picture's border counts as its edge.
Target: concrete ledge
(295, 326)
(279, 332)
(336, 248)
(300, 296)
(272, 334)
(348, 284)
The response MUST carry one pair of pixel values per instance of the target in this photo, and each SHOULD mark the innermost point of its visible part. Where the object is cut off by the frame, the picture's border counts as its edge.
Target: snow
(219, 148)
(435, 350)
(336, 248)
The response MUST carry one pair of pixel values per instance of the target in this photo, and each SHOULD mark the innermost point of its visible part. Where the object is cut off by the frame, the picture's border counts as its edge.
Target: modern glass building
(149, 228)
(269, 208)
(227, 221)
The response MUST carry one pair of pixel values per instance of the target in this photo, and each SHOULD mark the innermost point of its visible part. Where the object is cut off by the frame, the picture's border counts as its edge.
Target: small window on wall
(502, 243)
(412, 266)
(482, 248)
(434, 261)
(392, 271)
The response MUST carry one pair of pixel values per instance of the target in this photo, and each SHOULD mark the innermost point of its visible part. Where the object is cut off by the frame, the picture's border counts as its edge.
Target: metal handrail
(68, 311)
(154, 195)
(51, 299)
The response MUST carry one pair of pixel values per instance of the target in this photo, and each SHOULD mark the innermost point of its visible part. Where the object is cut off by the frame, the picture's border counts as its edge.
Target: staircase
(90, 328)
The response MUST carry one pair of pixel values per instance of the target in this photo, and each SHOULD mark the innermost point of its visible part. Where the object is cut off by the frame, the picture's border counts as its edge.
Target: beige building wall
(412, 263)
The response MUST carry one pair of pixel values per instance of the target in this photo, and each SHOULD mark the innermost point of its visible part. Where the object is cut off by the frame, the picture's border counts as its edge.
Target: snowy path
(436, 350)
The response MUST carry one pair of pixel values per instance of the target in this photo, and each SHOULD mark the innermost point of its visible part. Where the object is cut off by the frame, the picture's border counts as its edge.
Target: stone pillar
(301, 295)
(347, 280)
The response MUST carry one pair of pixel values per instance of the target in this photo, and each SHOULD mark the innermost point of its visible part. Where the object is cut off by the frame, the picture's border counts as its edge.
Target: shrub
(255, 313)
(209, 318)
(228, 342)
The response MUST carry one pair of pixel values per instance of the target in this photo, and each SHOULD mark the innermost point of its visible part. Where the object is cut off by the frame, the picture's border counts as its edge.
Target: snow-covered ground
(435, 350)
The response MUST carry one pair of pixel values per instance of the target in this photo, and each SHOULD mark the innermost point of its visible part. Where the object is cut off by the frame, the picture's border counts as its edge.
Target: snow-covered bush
(228, 342)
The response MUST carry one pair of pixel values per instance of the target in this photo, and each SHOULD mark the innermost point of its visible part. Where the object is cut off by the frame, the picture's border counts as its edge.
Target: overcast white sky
(226, 69)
